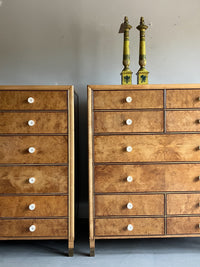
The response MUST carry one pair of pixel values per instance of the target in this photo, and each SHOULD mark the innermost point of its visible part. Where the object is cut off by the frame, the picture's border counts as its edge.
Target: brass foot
(92, 252)
(70, 252)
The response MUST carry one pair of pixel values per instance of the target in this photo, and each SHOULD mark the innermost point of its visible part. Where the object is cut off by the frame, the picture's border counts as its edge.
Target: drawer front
(119, 227)
(183, 99)
(44, 122)
(43, 228)
(33, 206)
(132, 121)
(147, 178)
(183, 204)
(33, 100)
(185, 121)
(48, 149)
(147, 148)
(183, 225)
(111, 205)
(33, 179)
(118, 99)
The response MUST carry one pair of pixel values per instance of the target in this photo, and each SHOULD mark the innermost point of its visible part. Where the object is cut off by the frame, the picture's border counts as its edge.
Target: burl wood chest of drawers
(144, 161)
(37, 163)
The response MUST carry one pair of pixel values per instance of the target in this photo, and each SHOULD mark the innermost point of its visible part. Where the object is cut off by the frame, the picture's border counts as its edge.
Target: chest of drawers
(37, 163)
(144, 161)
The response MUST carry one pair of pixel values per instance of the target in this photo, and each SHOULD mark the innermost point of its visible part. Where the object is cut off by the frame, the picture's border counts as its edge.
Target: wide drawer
(40, 122)
(33, 100)
(24, 228)
(33, 179)
(147, 148)
(128, 99)
(147, 178)
(127, 205)
(48, 149)
(183, 225)
(183, 99)
(131, 121)
(137, 226)
(33, 206)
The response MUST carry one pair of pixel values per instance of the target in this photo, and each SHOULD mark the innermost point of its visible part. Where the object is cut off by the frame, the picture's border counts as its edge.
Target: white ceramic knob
(198, 147)
(129, 179)
(199, 98)
(31, 150)
(31, 206)
(198, 121)
(199, 225)
(199, 177)
(32, 228)
(31, 123)
(31, 100)
(130, 227)
(129, 206)
(128, 122)
(31, 180)
(129, 149)
(128, 99)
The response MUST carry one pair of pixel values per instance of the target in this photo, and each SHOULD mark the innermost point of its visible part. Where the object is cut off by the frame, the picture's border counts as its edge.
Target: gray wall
(77, 42)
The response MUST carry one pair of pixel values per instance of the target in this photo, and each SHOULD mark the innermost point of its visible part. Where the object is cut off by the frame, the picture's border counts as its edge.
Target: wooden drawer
(45, 122)
(48, 149)
(183, 99)
(183, 121)
(43, 100)
(43, 228)
(147, 148)
(183, 225)
(117, 99)
(127, 205)
(183, 204)
(131, 121)
(118, 227)
(48, 179)
(147, 178)
(45, 206)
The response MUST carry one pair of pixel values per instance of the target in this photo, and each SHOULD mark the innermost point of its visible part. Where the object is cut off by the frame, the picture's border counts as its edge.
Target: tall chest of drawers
(37, 163)
(144, 161)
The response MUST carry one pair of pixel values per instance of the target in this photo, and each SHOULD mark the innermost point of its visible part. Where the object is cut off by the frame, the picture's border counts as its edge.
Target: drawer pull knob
(31, 123)
(128, 122)
(31, 180)
(31, 150)
(130, 227)
(199, 177)
(129, 179)
(129, 206)
(198, 147)
(199, 98)
(31, 100)
(129, 149)
(128, 99)
(198, 121)
(31, 206)
(32, 228)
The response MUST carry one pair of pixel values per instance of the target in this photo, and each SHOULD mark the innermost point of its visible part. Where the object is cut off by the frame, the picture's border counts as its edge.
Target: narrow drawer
(33, 206)
(127, 205)
(48, 149)
(33, 100)
(183, 99)
(40, 122)
(128, 99)
(136, 226)
(33, 179)
(183, 225)
(183, 204)
(131, 121)
(183, 121)
(146, 178)
(147, 148)
(24, 228)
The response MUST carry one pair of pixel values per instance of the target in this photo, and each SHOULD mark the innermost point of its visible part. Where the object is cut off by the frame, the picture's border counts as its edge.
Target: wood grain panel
(143, 121)
(117, 99)
(17, 122)
(49, 149)
(183, 225)
(48, 179)
(116, 205)
(147, 148)
(183, 99)
(118, 227)
(44, 228)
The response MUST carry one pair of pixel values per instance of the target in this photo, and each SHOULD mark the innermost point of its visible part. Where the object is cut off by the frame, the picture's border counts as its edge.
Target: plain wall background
(77, 42)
